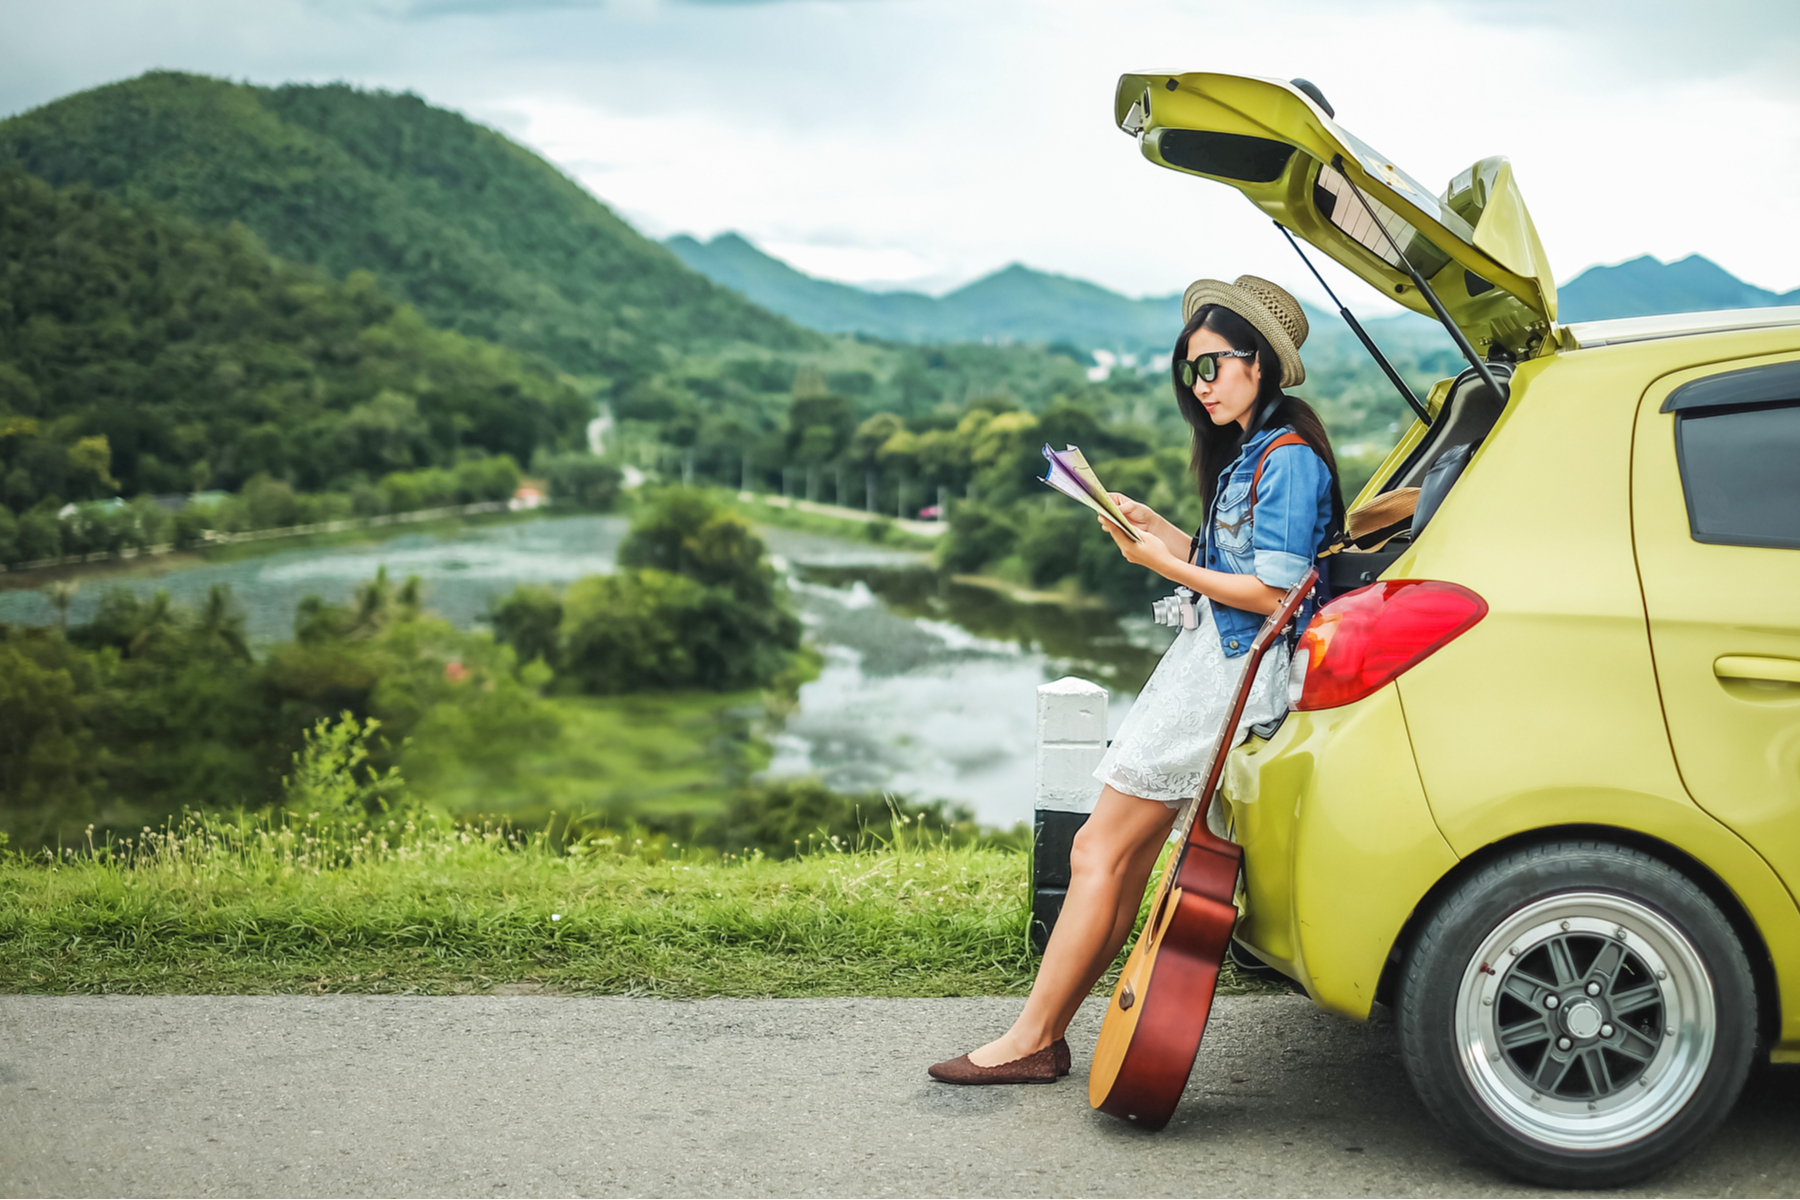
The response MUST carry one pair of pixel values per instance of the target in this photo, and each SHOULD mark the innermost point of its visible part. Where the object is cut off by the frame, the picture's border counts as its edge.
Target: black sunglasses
(1206, 366)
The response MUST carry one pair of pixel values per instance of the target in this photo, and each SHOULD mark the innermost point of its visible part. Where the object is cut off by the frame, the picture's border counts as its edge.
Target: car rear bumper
(1339, 846)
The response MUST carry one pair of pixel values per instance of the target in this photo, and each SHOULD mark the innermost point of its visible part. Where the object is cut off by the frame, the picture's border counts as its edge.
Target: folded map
(1070, 474)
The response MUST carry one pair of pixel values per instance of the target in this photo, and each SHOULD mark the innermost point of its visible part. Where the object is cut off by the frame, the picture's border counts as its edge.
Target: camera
(1178, 611)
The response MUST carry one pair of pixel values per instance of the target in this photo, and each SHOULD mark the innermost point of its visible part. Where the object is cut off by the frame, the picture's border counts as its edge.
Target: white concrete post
(1071, 737)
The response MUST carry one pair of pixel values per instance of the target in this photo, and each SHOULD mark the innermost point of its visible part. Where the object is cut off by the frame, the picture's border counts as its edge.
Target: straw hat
(1275, 314)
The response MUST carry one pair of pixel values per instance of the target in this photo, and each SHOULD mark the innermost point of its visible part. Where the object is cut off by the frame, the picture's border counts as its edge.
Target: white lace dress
(1164, 747)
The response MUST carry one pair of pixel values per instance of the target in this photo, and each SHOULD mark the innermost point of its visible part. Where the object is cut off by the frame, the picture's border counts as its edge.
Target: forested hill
(201, 360)
(482, 235)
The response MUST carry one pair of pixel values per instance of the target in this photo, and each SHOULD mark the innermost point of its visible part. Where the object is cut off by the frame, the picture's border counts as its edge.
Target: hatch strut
(1406, 393)
(1437, 306)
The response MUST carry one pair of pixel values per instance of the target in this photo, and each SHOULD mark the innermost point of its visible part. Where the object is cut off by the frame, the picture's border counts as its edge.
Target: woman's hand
(1148, 521)
(1145, 518)
(1152, 552)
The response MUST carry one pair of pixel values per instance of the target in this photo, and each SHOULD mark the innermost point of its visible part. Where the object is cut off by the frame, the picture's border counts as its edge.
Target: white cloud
(936, 140)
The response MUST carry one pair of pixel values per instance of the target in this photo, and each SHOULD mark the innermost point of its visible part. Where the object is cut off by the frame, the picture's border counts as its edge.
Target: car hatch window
(1737, 440)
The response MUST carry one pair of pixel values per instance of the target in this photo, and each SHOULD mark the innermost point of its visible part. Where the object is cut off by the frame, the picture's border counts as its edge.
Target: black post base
(1053, 835)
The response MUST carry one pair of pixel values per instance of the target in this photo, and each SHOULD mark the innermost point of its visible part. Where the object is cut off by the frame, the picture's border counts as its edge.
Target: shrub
(1052, 541)
(191, 524)
(324, 781)
(40, 536)
(270, 503)
(486, 479)
(784, 817)
(978, 535)
(634, 631)
(528, 620)
(579, 479)
(686, 532)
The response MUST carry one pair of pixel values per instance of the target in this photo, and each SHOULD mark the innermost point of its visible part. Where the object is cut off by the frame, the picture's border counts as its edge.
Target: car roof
(1584, 335)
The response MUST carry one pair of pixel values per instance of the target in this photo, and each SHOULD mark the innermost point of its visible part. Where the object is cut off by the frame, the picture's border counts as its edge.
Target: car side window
(1737, 440)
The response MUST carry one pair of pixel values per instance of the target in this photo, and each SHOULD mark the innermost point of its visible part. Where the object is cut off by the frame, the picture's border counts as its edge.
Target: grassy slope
(456, 911)
(661, 754)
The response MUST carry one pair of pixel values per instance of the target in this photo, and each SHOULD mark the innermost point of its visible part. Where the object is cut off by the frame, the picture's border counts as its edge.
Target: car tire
(1579, 1013)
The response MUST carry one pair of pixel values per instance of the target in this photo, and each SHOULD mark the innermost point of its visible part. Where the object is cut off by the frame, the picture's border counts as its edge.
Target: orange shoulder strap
(1290, 438)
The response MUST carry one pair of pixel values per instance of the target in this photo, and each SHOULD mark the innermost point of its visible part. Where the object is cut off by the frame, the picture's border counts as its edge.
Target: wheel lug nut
(1593, 989)
(1551, 1001)
(1606, 1031)
(1563, 1043)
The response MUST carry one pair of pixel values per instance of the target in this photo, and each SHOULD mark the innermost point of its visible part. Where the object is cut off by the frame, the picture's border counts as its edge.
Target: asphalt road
(535, 1095)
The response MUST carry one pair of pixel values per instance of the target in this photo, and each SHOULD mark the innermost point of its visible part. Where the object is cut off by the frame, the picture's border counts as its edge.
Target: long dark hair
(1216, 445)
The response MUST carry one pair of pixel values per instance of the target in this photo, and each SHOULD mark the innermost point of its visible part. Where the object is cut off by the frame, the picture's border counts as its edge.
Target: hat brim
(1250, 307)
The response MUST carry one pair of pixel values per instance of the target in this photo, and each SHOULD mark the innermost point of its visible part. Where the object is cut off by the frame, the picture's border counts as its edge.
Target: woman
(1239, 347)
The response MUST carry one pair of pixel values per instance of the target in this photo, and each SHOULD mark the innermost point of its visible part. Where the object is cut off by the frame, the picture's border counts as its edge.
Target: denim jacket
(1292, 519)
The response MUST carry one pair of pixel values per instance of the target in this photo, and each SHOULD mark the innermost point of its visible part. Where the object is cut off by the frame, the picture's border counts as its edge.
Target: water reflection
(463, 572)
(930, 687)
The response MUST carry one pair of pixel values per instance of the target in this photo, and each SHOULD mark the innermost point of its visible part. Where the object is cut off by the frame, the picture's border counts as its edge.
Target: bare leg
(1109, 865)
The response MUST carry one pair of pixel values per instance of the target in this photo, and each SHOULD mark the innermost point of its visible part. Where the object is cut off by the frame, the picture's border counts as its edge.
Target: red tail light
(1364, 639)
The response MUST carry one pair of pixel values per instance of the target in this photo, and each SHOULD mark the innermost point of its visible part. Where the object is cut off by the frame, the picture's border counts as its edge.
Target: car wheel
(1579, 1013)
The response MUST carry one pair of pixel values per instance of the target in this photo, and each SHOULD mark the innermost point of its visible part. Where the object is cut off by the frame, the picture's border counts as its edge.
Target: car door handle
(1756, 666)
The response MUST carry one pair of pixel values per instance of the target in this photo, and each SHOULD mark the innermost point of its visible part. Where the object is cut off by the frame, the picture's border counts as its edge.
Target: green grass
(263, 905)
(826, 525)
(644, 754)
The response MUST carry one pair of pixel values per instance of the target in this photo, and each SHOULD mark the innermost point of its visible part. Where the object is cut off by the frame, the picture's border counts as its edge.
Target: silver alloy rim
(1585, 1021)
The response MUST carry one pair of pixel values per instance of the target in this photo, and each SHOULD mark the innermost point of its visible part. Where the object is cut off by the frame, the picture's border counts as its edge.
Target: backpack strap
(1290, 438)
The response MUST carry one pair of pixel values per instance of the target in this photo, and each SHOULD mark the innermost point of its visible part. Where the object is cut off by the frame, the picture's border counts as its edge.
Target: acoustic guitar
(1158, 1012)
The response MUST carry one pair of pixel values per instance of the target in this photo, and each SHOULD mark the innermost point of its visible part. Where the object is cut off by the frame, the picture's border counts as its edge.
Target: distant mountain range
(1019, 304)
(1647, 287)
(1014, 304)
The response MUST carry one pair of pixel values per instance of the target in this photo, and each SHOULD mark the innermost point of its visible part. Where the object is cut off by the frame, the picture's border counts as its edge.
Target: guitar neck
(1272, 628)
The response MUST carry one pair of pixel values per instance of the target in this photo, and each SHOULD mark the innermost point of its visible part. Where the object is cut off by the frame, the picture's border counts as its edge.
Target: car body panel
(1736, 739)
(1545, 715)
(1477, 246)
(1344, 843)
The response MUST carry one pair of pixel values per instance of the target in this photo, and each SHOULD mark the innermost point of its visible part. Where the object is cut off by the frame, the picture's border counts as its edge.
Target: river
(928, 687)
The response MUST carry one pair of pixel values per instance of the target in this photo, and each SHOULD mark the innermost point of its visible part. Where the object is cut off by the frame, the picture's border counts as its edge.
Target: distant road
(533, 1095)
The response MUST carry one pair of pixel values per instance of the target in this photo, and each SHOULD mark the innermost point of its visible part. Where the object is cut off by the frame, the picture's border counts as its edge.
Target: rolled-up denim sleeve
(1287, 514)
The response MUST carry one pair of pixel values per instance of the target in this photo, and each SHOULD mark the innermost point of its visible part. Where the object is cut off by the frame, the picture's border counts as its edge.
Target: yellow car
(1540, 792)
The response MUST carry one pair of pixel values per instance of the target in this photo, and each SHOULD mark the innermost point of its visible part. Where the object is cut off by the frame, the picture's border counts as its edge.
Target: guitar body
(1158, 1011)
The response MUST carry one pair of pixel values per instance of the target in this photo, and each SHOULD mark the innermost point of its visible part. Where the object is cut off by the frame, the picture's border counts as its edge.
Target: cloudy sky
(926, 142)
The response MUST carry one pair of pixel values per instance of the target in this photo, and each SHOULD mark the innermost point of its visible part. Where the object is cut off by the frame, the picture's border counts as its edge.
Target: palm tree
(222, 622)
(61, 594)
(158, 620)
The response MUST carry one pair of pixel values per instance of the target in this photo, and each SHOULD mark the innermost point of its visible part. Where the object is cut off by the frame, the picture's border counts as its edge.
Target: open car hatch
(1474, 245)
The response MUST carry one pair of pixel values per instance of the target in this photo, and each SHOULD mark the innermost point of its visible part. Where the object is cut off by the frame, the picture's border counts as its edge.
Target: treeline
(150, 707)
(577, 480)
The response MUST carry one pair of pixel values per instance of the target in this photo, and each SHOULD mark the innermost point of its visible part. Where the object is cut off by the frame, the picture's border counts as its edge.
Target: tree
(581, 479)
(528, 620)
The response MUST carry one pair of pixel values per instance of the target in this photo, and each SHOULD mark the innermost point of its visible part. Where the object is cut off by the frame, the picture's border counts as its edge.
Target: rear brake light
(1365, 639)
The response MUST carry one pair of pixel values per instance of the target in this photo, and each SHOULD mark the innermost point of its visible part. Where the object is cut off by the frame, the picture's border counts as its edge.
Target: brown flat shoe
(1060, 1047)
(1039, 1067)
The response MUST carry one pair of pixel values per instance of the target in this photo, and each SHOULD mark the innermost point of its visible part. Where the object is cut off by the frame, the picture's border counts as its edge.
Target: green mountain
(1646, 287)
(481, 235)
(202, 360)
